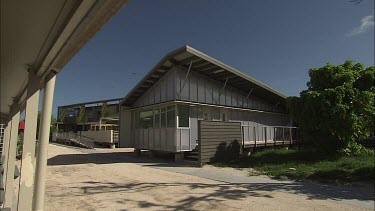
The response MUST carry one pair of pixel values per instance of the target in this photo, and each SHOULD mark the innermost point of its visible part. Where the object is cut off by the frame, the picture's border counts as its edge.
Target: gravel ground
(80, 179)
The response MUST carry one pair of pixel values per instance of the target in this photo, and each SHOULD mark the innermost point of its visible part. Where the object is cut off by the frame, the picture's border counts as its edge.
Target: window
(200, 113)
(171, 116)
(157, 118)
(146, 119)
(215, 114)
(205, 116)
(163, 116)
(223, 117)
(183, 116)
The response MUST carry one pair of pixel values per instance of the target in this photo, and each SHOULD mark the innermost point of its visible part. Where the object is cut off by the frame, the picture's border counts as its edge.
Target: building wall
(176, 138)
(199, 88)
(163, 91)
(125, 129)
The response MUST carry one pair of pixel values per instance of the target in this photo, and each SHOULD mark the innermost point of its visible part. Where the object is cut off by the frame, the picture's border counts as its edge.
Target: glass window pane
(183, 116)
(215, 114)
(171, 116)
(157, 118)
(163, 118)
(146, 119)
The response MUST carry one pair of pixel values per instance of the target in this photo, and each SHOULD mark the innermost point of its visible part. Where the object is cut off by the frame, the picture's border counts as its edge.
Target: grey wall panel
(201, 90)
(171, 141)
(163, 140)
(151, 139)
(228, 97)
(125, 129)
(163, 91)
(234, 99)
(209, 92)
(215, 91)
(157, 93)
(184, 89)
(193, 88)
(170, 87)
(157, 139)
(185, 139)
(178, 139)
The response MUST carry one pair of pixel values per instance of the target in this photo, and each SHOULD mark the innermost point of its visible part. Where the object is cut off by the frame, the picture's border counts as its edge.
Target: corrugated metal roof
(207, 66)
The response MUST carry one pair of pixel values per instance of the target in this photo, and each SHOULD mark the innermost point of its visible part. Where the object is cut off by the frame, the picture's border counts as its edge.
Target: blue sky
(276, 42)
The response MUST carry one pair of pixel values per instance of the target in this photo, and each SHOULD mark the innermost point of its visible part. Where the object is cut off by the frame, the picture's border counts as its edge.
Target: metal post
(41, 164)
(291, 139)
(255, 137)
(265, 136)
(11, 161)
(274, 136)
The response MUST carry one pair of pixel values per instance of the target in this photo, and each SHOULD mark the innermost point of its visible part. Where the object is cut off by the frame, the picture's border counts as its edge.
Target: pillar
(11, 161)
(41, 160)
(26, 182)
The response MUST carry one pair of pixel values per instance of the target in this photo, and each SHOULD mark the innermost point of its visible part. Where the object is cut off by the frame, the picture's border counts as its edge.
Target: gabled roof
(207, 66)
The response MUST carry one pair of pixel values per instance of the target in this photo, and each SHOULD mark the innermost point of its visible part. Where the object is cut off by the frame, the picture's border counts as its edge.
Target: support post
(8, 200)
(221, 91)
(26, 182)
(41, 162)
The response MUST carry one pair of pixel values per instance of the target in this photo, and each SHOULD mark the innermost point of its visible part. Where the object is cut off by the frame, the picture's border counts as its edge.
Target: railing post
(283, 136)
(291, 139)
(255, 137)
(243, 136)
(265, 136)
(274, 136)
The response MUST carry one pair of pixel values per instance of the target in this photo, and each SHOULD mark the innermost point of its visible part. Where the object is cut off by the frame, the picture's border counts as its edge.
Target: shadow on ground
(235, 191)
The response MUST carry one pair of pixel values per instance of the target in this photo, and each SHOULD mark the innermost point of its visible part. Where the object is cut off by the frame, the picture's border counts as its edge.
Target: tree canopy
(338, 107)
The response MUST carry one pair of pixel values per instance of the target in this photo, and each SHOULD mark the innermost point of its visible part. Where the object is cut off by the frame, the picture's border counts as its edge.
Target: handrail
(269, 135)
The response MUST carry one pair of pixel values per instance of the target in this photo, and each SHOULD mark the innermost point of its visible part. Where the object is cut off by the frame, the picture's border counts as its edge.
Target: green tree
(81, 118)
(338, 107)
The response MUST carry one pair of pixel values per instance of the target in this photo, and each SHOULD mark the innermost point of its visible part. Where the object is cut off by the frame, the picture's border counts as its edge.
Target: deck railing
(269, 135)
(75, 138)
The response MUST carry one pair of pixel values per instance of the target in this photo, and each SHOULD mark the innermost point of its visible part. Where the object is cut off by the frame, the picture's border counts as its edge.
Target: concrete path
(118, 180)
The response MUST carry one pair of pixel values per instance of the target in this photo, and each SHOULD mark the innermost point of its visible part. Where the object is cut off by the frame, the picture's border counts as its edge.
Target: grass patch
(308, 164)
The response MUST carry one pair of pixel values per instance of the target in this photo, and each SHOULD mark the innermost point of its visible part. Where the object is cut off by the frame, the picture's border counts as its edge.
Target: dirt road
(117, 180)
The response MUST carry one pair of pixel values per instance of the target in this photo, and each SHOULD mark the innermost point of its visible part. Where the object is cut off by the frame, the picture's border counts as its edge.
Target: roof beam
(174, 62)
(204, 67)
(212, 70)
(229, 76)
(200, 63)
(189, 59)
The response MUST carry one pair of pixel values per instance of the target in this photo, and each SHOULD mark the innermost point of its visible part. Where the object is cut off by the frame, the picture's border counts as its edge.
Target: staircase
(75, 139)
(191, 155)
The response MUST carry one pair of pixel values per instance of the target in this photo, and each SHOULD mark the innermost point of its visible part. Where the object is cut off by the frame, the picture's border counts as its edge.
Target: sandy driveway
(117, 180)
